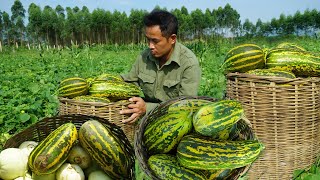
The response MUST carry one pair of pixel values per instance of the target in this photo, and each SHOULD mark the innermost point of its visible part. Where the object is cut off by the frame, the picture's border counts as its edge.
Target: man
(165, 70)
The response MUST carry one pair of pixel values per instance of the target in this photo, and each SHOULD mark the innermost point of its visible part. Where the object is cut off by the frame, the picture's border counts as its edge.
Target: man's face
(159, 45)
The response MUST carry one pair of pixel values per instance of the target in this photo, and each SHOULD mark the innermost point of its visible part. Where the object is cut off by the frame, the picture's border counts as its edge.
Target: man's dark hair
(168, 22)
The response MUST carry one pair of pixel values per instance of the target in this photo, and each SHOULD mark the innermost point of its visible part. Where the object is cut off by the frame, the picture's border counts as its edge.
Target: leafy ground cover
(30, 78)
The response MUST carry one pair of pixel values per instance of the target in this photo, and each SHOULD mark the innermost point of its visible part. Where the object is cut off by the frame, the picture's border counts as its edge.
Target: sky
(248, 9)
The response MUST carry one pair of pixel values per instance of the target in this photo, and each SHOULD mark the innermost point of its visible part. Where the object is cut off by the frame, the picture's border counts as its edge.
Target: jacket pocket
(146, 83)
(171, 87)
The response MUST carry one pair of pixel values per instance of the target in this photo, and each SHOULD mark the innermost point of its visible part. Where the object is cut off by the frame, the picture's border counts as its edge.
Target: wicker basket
(43, 128)
(142, 153)
(285, 116)
(109, 111)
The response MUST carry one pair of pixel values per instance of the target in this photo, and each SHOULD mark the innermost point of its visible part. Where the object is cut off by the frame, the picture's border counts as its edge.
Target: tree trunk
(21, 40)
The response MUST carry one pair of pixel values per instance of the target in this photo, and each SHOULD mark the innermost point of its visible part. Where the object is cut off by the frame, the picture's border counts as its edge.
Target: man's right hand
(136, 109)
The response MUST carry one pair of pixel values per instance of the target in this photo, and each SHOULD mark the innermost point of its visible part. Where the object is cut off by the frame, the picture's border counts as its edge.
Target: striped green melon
(166, 167)
(106, 149)
(288, 45)
(118, 90)
(108, 77)
(272, 72)
(72, 87)
(53, 151)
(164, 133)
(90, 98)
(188, 105)
(212, 119)
(227, 133)
(301, 63)
(217, 174)
(243, 58)
(196, 152)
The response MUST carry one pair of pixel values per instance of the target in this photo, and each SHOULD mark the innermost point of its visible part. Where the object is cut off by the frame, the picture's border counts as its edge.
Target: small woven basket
(40, 130)
(109, 111)
(141, 152)
(284, 114)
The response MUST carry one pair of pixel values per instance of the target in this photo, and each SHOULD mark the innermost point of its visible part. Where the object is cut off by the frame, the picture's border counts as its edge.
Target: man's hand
(137, 109)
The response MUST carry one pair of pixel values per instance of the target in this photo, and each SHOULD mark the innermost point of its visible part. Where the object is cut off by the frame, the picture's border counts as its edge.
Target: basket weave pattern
(285, 116)
(40, 130)
(142, 154)
(109, 111)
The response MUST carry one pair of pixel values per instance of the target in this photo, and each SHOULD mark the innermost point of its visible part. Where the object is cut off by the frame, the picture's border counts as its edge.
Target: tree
(248, 28)
(198, 21)
(136, 23)
(6, 26)
(35, 22)
(231, 19)
(298, 22)
(21, 28)
(49, 19)
(85, 24)
(259, 27)
(18, 14)
(59, 24)
(1, 27)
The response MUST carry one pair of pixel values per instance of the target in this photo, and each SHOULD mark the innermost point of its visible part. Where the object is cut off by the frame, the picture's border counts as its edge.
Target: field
(30, 78)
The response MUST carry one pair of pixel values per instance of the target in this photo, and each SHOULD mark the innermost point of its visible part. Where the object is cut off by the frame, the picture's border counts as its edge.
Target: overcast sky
(248, 9)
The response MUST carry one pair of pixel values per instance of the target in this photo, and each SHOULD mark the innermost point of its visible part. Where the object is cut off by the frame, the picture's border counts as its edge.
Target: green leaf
(24, 117)
(313, 169)
(34, 88)
(1, 118)
(33, 118)
(297, 173)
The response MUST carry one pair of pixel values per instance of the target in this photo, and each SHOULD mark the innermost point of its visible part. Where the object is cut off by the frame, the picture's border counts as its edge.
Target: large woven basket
(109, 111)
(285, 116)
(142, 153)
(40, 130)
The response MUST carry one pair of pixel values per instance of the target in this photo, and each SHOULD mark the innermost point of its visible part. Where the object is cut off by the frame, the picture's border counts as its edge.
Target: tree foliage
(65, 25)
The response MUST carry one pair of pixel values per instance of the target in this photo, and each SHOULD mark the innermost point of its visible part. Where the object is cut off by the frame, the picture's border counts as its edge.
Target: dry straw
(284, 114)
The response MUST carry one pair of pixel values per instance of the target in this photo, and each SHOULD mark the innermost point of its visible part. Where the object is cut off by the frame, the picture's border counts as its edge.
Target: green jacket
(179, 76)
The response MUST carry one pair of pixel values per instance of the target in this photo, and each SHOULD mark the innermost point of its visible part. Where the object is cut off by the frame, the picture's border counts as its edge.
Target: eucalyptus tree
(98, 20)
(288, 26)
(49, 22)
(311, 19)
(60, 13)
(275, 26)
(185, 22)
(210, 21)
(70, 25)
(136, 24)
(7, 25)
(1, 27)
(198, 21)
(18, 14)
(259, 28)
(248, 28)
(106, 25)
(85, 20)
(232, 19)
(119, 27)
(21, 28)
(35, 22)
(298, 22)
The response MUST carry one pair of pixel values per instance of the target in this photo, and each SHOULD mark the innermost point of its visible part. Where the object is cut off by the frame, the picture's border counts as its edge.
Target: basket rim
(74, 101)
(144, 121)
(272, 78)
